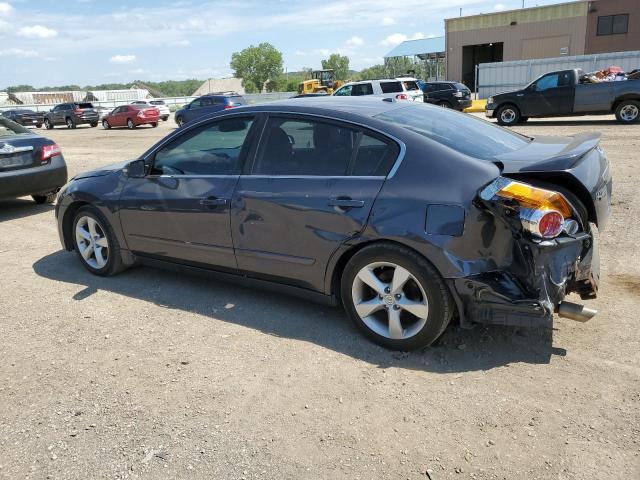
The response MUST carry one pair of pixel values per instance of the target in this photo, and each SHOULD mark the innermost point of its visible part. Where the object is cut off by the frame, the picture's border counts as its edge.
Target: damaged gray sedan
(408, 215)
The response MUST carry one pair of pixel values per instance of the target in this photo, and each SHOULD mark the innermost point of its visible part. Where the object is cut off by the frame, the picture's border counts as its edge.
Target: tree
(256, 65)
(339, 64)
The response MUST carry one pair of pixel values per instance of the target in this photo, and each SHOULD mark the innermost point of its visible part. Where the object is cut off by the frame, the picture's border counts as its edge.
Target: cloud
(354, 41)
(5, 8)
(18, 52)
(300, 53)
(499, 6)
(122, 59)
(37, 31)
(398, 38)
(388, 21)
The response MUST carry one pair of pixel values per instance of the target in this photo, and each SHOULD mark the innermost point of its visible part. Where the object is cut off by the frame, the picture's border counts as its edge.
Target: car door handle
(343, 202)
(215, 201)
(519, 94)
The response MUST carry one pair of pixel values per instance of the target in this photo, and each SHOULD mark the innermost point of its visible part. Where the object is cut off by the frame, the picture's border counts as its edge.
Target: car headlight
(490, 100)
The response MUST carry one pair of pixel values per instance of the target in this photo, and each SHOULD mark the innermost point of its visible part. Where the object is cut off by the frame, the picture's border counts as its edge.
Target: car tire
(130, 124)
(94, 124)
(42, 199)
(165, 118)
(444, 104)
(105, 125)
(91, 231)
(47, 124)
(508, 115)
(383, 314)
(70, 123)
(628, 112)
(179, 121)
(38, 125)
(154, 124)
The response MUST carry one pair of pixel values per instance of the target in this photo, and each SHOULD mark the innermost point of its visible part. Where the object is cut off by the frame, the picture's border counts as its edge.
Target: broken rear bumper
(528, 293)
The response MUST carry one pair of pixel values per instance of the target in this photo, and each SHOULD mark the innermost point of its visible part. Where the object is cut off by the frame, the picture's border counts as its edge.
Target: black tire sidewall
(438, 296)
(512, 107)
(114, 261)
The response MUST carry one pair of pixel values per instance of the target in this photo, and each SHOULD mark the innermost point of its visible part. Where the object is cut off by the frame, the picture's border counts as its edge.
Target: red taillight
(227, 107)
(402, 96)
(550, 225)
(78, 111)
(48, 152)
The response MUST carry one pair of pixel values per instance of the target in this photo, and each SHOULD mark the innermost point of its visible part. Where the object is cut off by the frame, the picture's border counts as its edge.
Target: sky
(60, 42)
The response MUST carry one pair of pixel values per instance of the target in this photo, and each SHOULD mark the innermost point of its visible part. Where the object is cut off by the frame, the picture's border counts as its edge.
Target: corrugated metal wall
(505, 76)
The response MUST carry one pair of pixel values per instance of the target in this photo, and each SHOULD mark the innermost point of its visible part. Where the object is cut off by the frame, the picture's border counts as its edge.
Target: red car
(131, 116)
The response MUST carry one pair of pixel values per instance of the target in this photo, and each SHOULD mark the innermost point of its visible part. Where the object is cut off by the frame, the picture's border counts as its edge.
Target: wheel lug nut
(387, 290)
(380, 297)
(396, 307)
(398, 296)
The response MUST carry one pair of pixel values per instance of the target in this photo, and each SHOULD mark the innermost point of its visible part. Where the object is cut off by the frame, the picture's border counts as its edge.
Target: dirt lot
(154, 375)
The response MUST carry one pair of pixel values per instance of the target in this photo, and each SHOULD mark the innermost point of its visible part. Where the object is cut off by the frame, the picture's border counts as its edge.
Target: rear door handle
(343, 202)
(213, 201)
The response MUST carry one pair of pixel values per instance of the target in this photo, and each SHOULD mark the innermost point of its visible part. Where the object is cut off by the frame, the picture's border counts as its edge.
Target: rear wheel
(154, 124)
(628, 112)
(95, 242)
(444, 104)
(70, 123)
(179, 121)
(105, 125)
(47, 124)
(395, 297)
(508, 115)
(130, 124)
(94, 124)
(39, 125)
(41, 199)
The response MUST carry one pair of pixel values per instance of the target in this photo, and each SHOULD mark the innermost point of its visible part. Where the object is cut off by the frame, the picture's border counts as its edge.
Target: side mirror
(135, 169)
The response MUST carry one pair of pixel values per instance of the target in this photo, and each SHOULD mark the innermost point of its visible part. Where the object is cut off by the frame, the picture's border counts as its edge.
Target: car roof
(376, 80)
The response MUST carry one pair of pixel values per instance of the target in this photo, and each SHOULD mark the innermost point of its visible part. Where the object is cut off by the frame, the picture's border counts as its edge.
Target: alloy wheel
(508, 115)
(92, 242)
(390, 300)
(629, 113)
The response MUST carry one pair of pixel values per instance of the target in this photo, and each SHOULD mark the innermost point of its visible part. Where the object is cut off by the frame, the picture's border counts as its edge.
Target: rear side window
(391, 87)
(344, 91)
(237, 100)
(213, 149)
(410, 85)
(84, 105)
(362, 89)
(314, 148)
(457, 131)
(8, 128)
(156, 102)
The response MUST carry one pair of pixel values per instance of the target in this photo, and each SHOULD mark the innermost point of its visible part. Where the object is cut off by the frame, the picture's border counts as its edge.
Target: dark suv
(447, 94)
(210, 103)
(71, 115)
(24, 117)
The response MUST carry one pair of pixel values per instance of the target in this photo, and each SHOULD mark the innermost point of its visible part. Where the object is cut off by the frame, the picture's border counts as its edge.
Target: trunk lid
(20, 152)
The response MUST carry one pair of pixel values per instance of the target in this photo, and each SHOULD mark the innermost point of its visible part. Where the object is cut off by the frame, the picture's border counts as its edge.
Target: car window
(374, 157)
(196, 103)
(429, 87)
(157, 102)
(305, 147)
(344, 91)
(457, 131)
(547, 82)
(391, 87)
(9, 127)
(206, 102)
(410, 85)
(213, 149)
(362, 89)
(84, 105)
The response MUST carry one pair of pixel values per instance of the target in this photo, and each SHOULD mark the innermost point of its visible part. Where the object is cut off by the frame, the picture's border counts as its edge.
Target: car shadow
(18, 208)
(481, 348)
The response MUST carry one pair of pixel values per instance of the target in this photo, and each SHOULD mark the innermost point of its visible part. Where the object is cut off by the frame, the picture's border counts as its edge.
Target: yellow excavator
(321, 81)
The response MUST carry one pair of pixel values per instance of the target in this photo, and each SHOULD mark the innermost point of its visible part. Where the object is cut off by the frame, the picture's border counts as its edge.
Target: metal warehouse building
(575, 28)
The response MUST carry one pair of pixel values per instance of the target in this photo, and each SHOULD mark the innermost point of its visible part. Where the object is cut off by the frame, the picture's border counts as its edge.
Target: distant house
(214, 85)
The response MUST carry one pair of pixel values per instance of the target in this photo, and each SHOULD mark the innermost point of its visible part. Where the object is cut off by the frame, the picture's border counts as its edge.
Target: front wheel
(395, 297)
(444, 104)
(508, 115)
(95, 242)
(105, 125)
(628, 112)
(154, 124)
(47, 124)
(94, 124)
(70, 123)
(179, 121)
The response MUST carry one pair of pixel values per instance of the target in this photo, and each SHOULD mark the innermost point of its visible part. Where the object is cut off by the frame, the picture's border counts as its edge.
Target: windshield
(9, 128)
(459, 131)
(157, 102)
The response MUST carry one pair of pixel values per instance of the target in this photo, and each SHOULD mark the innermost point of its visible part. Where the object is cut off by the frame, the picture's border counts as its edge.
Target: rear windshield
(237, 100)
(84, 105)
(391, 87)
(464, 133)
(461, 86)
(9, 128)
(410, 85)
(157, 102)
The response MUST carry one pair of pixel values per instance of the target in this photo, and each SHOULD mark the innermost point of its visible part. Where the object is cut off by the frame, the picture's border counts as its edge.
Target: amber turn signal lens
(536, 198)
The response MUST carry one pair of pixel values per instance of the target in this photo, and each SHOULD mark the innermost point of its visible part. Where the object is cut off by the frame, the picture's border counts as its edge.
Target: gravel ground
(154, 375)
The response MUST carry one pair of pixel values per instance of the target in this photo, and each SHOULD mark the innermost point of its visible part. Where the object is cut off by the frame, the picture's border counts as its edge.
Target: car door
(310, 188)
(180, 210)
(550, 95)
(192, 111)
(58, 114)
